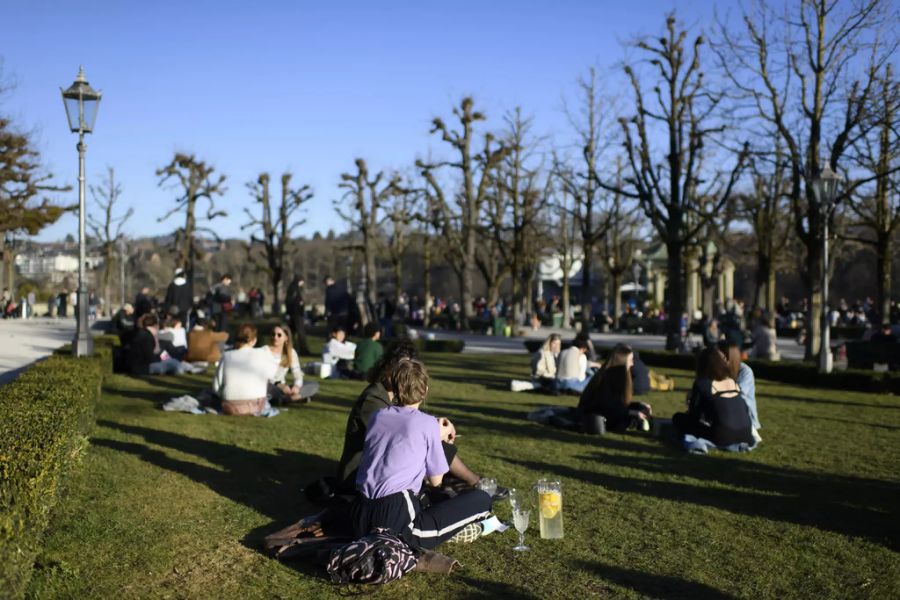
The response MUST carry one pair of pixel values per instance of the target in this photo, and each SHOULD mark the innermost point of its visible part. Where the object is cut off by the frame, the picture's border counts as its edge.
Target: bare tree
(802, 76)
(459, 206)
(566, 229)
(366, 198)
(877, 207)
(513, 211)
(108, 230)
(400, 212)
(668, 178)
(620, 242)
(764, 208)
(276, 229)
(194, 182)
(591, 126)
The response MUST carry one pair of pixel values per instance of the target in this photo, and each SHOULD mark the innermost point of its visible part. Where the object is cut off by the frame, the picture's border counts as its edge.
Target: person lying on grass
(716, 410)
(403, 446)
(286, 358)
(380, 394)
(243, 375)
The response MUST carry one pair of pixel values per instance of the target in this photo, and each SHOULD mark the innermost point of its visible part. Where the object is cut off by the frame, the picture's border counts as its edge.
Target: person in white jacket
(339, 353)
(544, 363)
(243, 375)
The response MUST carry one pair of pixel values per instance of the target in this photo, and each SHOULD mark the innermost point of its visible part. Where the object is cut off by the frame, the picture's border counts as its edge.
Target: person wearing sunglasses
(284, 354)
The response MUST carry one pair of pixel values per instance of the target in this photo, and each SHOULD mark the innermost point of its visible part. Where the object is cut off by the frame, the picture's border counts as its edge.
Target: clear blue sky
(305, 86)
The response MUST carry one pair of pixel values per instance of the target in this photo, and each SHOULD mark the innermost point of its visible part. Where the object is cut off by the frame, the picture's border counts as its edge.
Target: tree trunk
(465, 293)
(883, 267)
(814, 299)
(764, 276)
(426, 265)
(586, 306)
(566, 295)
(617, 301)
(674, 293)
(276, 295)
(516, 300)
(398, 277)
(371, 275)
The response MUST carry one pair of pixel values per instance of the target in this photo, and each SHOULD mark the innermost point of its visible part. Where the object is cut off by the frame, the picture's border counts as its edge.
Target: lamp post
(81, 102)
(825, 187)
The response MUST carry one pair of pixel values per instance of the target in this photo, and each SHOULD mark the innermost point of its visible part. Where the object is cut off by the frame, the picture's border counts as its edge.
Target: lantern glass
(81, 102)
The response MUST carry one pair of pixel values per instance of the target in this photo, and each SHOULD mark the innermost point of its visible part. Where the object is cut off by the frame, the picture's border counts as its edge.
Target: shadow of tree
(656, 586)
(268, 483)
(845, 505)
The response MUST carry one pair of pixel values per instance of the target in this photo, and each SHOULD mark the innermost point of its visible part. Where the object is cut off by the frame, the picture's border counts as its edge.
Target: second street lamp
(81, 102)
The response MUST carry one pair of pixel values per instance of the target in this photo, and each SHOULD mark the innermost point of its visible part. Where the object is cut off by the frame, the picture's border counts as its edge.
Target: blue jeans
(170, 366)
(575, 385)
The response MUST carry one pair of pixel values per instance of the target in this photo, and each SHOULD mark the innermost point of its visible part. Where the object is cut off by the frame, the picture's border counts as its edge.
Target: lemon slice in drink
(550, 503)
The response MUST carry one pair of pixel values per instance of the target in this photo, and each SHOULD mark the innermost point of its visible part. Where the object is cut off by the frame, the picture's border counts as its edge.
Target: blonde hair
(553, 337)
(288, 349)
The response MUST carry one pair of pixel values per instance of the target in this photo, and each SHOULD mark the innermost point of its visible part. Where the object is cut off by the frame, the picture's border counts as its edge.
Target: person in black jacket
(609, 394)
(143, 303)
(716, 410)
(179, 297)
(296, 309)
(143, 355)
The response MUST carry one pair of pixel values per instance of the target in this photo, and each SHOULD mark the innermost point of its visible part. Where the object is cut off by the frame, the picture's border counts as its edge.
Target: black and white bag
(377, 558)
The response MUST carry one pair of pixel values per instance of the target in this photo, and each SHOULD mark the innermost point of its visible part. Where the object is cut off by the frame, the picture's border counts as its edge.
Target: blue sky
(304, 86)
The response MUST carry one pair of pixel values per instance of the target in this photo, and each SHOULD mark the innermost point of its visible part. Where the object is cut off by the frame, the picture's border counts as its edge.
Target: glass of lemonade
(549, 502)
(520, 521)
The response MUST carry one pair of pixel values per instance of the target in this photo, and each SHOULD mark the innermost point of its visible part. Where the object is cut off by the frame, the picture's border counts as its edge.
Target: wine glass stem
(521, 539)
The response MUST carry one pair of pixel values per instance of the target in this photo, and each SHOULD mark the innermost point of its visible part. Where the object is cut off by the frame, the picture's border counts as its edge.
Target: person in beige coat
(544, 364)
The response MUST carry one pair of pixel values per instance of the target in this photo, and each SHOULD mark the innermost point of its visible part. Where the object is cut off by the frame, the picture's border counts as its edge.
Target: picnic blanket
(189, 404)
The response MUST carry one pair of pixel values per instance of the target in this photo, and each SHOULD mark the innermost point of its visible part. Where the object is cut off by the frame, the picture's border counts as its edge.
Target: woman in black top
(609, 394)
(716, 411)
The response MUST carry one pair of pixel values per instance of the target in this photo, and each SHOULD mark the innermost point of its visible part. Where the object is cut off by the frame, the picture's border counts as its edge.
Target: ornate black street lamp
(81, 102)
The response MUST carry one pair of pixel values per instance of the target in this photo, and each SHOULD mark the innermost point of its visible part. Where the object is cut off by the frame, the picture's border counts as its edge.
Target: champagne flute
(514, 501)
(520, 520)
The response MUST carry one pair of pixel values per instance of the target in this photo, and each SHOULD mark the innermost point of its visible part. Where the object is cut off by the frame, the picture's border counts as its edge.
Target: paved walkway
(789, 349)
(23, 342)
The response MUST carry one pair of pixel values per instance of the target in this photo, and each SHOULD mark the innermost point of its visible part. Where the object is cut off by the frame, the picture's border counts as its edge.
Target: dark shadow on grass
(492, 589)
(655, 586)
(768, 397)
(271, 484)
(845, 505)
(854, 423)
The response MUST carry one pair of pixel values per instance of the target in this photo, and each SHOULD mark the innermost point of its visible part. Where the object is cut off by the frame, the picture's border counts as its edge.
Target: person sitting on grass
(609, 394)
(243, 375)
(286, 357)
(572, 374)
(543, 368)
(339, 353)
(143, 354)
(743, 376)
(380, 394)
(403, 447)
(204, 342)
(716, 410)
(368, 351)
(173, 338)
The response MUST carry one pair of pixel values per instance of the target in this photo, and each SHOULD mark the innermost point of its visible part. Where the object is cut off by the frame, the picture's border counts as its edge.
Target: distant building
(53, 267)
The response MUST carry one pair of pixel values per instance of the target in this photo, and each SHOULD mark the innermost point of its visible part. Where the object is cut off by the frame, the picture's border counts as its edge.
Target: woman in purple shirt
(402, 448)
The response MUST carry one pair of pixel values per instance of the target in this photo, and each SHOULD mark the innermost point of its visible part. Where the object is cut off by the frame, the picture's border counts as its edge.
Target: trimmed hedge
(423, 345)
(44, 415)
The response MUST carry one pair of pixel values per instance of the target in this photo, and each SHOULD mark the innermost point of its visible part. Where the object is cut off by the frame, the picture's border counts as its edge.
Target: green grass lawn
(174, 505)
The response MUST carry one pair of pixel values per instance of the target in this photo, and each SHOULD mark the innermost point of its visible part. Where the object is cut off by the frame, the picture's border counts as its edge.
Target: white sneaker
(518, 385)
(756, 437)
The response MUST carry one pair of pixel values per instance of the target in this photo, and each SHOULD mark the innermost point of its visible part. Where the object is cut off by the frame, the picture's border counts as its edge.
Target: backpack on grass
(377, 558)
